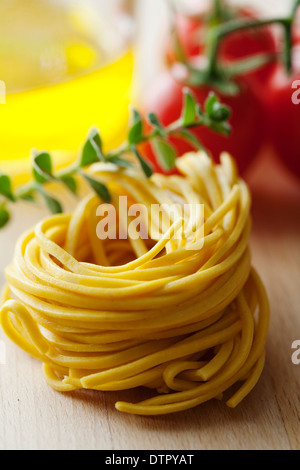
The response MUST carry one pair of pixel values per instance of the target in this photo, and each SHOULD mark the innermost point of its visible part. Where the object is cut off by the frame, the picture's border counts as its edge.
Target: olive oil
(65, 69)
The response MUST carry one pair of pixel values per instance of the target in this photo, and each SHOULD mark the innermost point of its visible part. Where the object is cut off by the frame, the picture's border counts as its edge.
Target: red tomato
(282, 107)
(165, 100)
(192, 33)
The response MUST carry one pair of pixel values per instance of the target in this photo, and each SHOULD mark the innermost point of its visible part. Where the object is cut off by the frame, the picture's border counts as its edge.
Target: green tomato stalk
(220, 32)
(221, 77)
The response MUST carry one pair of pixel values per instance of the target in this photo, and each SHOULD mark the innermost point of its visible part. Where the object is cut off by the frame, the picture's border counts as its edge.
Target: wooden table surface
(33, 416)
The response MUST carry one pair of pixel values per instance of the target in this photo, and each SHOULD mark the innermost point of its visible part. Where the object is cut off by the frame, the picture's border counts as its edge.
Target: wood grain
(34, 417)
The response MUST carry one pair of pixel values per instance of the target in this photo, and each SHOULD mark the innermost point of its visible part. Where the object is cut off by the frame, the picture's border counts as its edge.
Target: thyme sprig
(214, 115)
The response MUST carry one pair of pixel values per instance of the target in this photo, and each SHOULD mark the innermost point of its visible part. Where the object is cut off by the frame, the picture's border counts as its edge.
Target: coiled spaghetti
(185, 316)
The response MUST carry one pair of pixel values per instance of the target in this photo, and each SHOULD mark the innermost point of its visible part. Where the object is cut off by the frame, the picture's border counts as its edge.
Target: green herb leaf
(210, 102)
(146, 167)
(27, 197)
(100, 189)
(119, 161)
(165, 152)
(221, 128)
(70, 182)
(6, 187)
(154, 121)
(189, 108)
(42, 167)
(199, 111)
(4, 216)
(135, 134)
(191, 138)
(53, 204)
(92, 149)
(215, 110)
(220, 113)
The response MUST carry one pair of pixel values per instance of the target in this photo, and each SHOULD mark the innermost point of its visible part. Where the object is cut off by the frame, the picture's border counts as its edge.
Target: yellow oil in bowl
(65, 69)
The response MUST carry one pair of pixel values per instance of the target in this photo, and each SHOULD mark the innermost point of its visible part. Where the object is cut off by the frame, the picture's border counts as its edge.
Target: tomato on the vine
(217, 52)
(282, 108)
(191, 47)
(164, 99)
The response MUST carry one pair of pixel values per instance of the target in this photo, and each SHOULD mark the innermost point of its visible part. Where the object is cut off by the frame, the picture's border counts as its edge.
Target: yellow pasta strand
(181, 312)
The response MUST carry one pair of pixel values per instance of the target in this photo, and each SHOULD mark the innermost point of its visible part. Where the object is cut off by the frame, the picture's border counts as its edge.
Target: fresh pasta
(181, 312)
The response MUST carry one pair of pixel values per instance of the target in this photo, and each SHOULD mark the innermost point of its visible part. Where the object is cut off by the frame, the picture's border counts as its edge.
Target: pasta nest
(181, 312)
